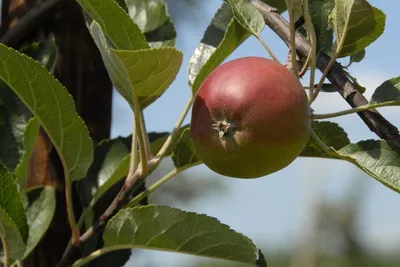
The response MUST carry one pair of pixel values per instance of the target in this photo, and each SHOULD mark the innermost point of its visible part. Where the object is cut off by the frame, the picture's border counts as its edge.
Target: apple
(250, 118)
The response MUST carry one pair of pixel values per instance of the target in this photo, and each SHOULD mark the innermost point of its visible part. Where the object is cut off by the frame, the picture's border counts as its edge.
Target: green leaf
(145, 73)
(326, 88)
(327, 48)
(40, 212)
(148, 15)
(150, 71)
(295, 8)
(358, 57)
(108, 155)
(10, 201)
(30, 133)
(320, 11)
(388, 91)
(248, 16)
(221, 38)
(357, 24)
(116, 23)
(184, 152)
(14, 115)
(115, 155)
(10, 235)
(160, 140)
(52, 106)
(12, 123)
(170, 229)
(378, 158)
(163, 36)
(120, 172)
(153, 19)
(111, 165)
(117, 258)
(122, 4)
(331, 134)
(45, 52)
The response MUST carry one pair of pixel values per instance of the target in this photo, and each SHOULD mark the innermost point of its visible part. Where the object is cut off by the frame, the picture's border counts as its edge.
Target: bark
(81, 71)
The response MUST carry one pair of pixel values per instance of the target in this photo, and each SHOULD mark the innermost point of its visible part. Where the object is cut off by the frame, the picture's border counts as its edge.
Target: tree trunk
(81, 71)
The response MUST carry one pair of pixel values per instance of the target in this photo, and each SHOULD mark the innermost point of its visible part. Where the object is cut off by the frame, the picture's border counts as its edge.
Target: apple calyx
(226, 134)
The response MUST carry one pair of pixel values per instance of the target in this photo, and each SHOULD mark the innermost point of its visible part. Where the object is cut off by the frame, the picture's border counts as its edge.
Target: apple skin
(250, 118)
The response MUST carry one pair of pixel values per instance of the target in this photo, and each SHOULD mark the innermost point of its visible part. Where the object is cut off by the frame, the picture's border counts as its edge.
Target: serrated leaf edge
(227, 227)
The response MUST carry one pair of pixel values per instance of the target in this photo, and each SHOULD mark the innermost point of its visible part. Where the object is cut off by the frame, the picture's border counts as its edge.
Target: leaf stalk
(355, 110)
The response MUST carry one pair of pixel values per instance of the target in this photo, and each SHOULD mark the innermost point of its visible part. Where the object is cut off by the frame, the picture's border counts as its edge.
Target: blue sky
(273, 210)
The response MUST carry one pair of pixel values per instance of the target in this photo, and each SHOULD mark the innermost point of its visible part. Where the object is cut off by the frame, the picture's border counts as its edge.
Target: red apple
(250, 118)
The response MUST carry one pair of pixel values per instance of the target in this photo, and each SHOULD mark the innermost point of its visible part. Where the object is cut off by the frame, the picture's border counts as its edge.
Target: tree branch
(29, 22)
(119, 201)
(372, 118)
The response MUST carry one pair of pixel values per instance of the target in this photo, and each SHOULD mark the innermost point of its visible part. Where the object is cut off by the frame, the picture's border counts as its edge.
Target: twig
(119, 200)
(117, 203)
(313, 52)
(70, 207)
(305, 66)
(372, 118)
(134, 202)
(355, 110)
(29, 22)
(160, 182)
(292, 41)
(171, 138)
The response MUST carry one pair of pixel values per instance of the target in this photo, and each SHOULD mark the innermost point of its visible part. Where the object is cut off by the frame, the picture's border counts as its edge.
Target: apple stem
(305, 66)
(293, 44)
(333, 59)
(313, 51)
(171, 138)
(269, 50)
(355, 110)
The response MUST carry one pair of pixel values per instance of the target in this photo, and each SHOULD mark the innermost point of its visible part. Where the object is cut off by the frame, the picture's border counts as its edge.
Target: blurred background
(313, 213)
